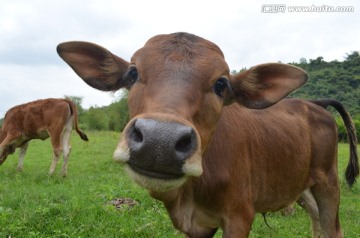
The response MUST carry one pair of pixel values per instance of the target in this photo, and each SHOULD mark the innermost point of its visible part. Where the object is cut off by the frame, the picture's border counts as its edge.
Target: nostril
(137, 136)
(184, 144)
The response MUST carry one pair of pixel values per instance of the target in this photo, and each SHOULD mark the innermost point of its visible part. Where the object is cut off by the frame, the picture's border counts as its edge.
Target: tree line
(113, 117)
(338, 80)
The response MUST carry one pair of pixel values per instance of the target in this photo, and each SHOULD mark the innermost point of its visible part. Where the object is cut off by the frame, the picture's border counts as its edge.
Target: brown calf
(197, 144)
(39, 120)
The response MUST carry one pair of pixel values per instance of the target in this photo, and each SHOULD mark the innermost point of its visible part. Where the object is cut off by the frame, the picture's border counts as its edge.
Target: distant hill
(337, 80)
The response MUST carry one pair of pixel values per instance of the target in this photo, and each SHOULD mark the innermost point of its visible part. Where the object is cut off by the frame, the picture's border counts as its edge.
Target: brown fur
(247, 160)
(40, 119)
(250, 162)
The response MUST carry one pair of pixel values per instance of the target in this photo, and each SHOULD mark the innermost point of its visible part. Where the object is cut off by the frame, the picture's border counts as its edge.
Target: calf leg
(22, 153)
(307, 201)
(57, 150)
(65, 140)
(289, 210)
(238, 226)
(327, 196)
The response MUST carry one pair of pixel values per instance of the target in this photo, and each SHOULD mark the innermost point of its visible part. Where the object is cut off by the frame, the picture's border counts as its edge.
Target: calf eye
(131, 76)
(220, 85)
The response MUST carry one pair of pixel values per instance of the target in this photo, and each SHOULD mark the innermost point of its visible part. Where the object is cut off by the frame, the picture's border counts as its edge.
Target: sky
(248, 33)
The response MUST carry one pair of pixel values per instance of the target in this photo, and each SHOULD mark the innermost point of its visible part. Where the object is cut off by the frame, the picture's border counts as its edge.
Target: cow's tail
(352, 169)
(73, 109)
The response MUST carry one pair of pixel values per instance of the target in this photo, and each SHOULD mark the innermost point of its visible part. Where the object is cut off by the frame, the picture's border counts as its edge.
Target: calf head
(8, 150)
(178, 85)
(4, 150)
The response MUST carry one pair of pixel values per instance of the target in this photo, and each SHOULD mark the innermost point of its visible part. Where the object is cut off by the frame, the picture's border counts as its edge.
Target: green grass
(32, 204)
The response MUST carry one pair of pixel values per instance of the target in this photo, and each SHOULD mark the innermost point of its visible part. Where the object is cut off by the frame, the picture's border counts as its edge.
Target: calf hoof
(63, 174)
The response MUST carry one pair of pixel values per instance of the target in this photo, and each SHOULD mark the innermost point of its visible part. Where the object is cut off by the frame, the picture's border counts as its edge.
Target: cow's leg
(22, 153)
(57, 150)
(55, 160)
(289, 210)
(5, 150)
(65, 140)
(307, 201)
(327, 196)
(3, 154)
(238, 226)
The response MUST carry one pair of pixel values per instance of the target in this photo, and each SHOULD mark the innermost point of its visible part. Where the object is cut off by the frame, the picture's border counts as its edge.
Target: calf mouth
(158, 183)
(154, 174)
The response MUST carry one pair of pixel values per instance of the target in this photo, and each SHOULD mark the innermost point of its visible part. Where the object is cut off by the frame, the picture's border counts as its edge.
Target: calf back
(31, 119)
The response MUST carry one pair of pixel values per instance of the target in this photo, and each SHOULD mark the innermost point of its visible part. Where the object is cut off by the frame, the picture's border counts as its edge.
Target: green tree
(96, 119)
(336, 80)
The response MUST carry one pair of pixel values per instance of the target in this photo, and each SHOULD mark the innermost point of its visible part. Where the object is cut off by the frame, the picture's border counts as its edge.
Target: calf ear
(266, 84)
(97, 66)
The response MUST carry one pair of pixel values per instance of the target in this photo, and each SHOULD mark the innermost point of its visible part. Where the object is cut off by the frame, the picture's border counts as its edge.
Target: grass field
(32, 204)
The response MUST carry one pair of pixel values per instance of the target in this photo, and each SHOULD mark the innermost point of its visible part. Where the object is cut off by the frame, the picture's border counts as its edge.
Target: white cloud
(29, 83)
(30, 31)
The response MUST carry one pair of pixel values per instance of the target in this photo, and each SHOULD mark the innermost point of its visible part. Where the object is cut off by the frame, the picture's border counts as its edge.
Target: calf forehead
(183, 43)
(175, 71)
(179, 56)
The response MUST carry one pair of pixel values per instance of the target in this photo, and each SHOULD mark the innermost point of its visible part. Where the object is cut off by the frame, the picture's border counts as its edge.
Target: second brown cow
(197, 144)
(40, 119)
